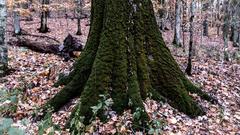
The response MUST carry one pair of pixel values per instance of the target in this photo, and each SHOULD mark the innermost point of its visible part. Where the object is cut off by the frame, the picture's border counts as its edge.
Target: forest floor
(35, 73)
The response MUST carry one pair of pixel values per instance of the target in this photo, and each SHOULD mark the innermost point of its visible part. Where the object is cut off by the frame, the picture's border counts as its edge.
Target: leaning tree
(126, 59)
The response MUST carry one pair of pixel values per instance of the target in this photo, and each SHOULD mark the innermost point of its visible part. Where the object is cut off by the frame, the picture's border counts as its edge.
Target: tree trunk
(44, 15)
(16, 19)
(218, 17)
(234, 31)
(205, 27)
(125, 59)
(201, 17)
(79, 14)
(226, 30)
(17, 29)
(177, 33)
(184, 23)
(190, 54)
(29, 6)
(3, 46)
(238, 39)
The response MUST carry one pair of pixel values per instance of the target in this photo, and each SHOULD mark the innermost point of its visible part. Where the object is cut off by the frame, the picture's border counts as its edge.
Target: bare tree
(190, 54)
(79, 14)
(44, 15)
(177, 33)
(3, 47)
(16, 18)
(226, 29)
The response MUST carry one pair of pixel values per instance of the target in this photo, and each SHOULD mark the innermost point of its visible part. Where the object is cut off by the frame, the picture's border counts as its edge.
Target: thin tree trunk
(184, 22)
(3, 46)
(16, 19)
(205, 27)
(218, 18)
(30, 17)
(79, 31)
(190, 54)
(79, 14)
(234, 31)
(177, 33)
(44, 15)
(225, 31)
(238, 39)
(183, 37)
(201, 14)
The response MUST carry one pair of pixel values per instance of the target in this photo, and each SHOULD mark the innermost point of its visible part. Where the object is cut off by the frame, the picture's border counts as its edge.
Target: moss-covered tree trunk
(126, 59)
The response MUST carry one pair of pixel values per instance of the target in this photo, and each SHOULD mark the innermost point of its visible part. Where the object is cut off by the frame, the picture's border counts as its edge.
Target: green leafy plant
(156, 126)
(77, 123)
(104, 104)
(8, 105)
(47, 124)
(6, 127)
(9, 101)
(137, 115)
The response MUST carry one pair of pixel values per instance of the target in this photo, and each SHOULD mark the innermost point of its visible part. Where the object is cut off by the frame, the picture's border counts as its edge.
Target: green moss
(99, 81)
(165, 74)
(101, 78)
(194, 89)
(64, 80)
(77, 79)
(70, 91)
(141, 58)
(153, 94)
(118, 90)
(134, 88)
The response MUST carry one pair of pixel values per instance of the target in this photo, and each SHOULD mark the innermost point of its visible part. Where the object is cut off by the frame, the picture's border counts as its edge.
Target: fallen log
(41, 36)
(68, 49)
(35, 45)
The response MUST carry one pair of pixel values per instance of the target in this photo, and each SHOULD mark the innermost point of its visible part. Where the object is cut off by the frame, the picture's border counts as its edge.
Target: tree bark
(226, 30)
(205, 27)
(125, 59)
(177, 33)
(79, 14)
(234, 30)
(37, 46)
(44, 15)
(190, 53)
(3, 46)
(66, 50)
(16, 19)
